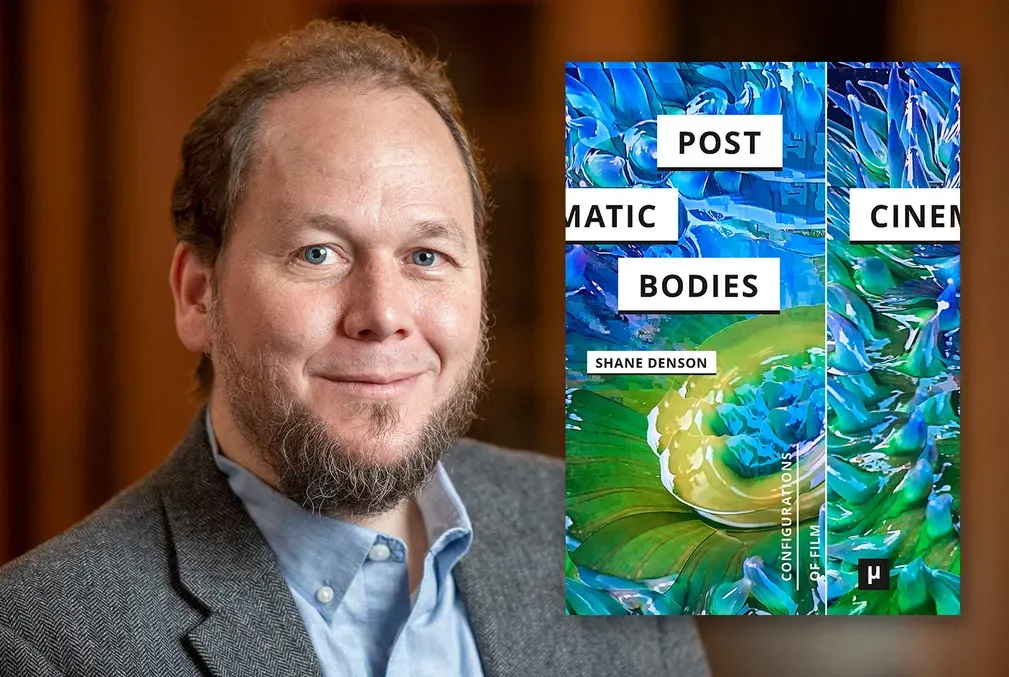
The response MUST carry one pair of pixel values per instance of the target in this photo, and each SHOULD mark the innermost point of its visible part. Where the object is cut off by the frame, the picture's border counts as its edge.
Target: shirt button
(324, 594)
(379, 553)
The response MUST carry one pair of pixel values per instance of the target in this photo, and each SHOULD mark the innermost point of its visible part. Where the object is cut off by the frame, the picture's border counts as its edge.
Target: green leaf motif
(649, 545)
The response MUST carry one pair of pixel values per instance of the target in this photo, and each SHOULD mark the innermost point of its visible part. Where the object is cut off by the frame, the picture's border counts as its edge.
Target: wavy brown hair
(216, 150)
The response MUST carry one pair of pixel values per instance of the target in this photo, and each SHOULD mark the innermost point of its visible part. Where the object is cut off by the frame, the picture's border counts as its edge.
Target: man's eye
(425, 257)
(318, 255)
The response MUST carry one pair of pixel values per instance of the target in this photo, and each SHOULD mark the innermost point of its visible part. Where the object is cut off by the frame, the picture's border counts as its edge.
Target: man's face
(349, 294)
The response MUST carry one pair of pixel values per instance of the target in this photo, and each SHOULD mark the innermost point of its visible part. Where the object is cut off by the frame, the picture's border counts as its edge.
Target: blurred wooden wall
(7, 133)
(976, 32)
(96, 99)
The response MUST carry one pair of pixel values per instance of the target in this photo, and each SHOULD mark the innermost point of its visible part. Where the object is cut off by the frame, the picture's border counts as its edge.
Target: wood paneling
(975, 32)
(6, 109)
(166, 59)
(58, 253)
(97, 97)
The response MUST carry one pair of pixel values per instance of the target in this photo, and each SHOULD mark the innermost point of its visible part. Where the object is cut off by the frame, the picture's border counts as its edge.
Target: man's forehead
(356, 118)
(361, 136)
(336, 158)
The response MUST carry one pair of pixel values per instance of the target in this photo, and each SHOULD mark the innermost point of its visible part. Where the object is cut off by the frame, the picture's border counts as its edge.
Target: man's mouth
(374, 384)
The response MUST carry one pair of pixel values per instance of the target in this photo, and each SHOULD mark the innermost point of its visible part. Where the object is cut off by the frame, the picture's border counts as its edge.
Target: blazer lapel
(252, 626)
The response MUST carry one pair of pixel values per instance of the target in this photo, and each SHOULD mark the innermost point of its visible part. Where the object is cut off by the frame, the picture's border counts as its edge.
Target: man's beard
(319, 470)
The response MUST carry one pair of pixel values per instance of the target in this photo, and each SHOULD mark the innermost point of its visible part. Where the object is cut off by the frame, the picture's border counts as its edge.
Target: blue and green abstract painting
(830, 430)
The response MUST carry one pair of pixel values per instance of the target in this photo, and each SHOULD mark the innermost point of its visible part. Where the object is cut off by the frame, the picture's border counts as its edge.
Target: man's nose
(379, 303)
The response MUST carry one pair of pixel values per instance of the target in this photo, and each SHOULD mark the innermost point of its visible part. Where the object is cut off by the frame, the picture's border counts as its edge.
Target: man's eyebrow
(327, 222)
(442, 230)
(448, 230)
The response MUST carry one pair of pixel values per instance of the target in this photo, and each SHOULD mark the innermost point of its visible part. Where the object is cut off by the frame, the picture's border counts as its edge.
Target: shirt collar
(314, 551)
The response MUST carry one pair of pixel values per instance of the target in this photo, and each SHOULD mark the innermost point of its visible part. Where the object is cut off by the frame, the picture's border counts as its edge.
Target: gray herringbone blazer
(173, 578)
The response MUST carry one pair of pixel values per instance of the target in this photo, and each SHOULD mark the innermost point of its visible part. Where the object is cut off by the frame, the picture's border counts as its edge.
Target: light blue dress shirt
(352, 587)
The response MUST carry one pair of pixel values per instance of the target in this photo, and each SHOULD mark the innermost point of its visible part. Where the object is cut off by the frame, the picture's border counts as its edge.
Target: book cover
(743, 412)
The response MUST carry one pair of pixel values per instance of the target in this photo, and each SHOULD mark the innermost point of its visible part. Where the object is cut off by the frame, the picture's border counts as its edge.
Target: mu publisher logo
(873, 574)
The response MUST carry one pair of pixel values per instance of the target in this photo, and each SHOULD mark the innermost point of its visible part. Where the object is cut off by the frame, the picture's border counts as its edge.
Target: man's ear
(191, 283)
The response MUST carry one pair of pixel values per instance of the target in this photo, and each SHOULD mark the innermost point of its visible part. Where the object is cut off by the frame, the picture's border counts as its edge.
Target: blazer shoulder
(78, 566)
